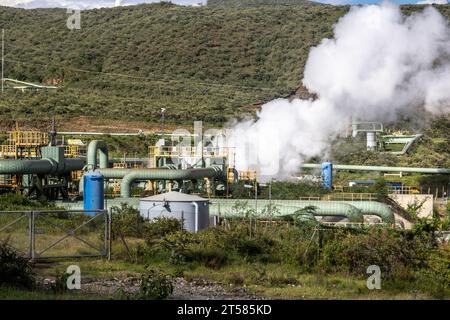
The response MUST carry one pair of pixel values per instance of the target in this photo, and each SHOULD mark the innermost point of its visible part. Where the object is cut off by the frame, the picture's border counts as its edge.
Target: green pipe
(164, 174)
(42, 166)
(354, 211)
(94, 147)
(379, 168)
(374, 208)
(280, 208)
(119, 173)
(112, 173)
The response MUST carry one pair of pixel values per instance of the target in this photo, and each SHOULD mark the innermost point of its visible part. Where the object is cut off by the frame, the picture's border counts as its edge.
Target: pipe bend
(333, 209)
(379, 209)
(164, 174)
(97, 146)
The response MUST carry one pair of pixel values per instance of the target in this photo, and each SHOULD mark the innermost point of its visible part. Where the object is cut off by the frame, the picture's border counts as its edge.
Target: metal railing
(188, 152)
(28, 138)
(57, 234)
(403, 190)
(351, 196)
(74, 151)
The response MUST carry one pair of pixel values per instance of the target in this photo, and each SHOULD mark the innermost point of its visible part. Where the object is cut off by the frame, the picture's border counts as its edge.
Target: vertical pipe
(195, 204)
(371, 142)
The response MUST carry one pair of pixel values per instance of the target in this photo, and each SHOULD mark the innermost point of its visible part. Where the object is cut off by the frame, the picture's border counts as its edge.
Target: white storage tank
(194, 210)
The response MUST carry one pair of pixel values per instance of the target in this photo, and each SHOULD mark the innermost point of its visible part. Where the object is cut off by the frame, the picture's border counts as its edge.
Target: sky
(89, 4)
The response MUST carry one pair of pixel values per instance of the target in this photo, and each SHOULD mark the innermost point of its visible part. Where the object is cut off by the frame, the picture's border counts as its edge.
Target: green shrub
(281, 280)
(13, 201)
(127, 222)
(161, 227)
(176, 244)
(211, 257)
(154, 284)
(239, 240)
(395, 254)
(15, 271)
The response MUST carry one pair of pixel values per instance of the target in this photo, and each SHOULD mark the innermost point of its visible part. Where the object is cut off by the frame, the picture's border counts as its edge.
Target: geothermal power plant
(190, 183)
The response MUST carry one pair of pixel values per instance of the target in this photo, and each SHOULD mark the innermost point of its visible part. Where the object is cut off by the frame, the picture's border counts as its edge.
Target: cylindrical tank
(371, 141)
(192, 210)
(327, 175)
(93, 191)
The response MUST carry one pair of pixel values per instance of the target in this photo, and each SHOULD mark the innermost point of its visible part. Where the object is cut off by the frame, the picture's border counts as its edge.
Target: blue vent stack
(327, 175)
(93, 191)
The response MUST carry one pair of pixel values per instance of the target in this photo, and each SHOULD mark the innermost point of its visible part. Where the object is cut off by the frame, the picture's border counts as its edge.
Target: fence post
(32, 236)
(108, 227)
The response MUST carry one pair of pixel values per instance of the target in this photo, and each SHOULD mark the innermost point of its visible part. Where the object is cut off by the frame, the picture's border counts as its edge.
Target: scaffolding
(188, 152)
(21, 145)
(247, 175)
(24, 144)
(74, 151)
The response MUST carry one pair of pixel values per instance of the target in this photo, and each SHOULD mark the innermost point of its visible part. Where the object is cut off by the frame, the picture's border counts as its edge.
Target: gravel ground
(195, 289)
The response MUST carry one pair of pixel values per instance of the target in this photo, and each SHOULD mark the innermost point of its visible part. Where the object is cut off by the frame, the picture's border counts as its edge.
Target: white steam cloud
(432, 2)
(378, 64)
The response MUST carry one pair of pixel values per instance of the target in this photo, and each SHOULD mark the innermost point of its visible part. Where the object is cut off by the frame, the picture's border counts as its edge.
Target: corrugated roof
(174, 197)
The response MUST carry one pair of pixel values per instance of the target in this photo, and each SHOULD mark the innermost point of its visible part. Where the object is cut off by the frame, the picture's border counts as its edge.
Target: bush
(154, 285)
(237, 239)
(395, 254)
(13, 201)
(161, 227)
(127, 222)
(15, 271)
(211, 257)
(177, 244)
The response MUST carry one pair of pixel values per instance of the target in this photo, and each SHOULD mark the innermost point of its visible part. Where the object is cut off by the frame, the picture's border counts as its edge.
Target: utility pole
(3, 58)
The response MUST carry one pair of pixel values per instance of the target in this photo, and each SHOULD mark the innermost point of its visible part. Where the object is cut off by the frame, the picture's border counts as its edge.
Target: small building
(191, 209)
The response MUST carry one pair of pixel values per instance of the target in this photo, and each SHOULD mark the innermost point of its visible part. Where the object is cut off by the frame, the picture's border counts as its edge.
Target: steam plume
(378, 64)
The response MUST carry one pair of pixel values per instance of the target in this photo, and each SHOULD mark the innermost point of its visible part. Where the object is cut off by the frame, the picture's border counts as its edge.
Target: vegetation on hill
(209, 63)
(244, 3)
(206, 63)
(432, 149)
(202, 63)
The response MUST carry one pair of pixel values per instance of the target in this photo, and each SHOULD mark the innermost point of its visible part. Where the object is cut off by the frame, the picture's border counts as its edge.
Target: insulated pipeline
(165, 174)
(380, 168)
(43, 166)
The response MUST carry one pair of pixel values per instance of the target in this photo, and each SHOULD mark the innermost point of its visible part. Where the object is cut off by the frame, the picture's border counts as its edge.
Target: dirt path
(195, 289)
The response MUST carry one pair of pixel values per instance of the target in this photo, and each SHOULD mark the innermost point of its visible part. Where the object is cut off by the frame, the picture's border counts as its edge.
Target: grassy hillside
(198, 62)
(201, 63)
(244, 3)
